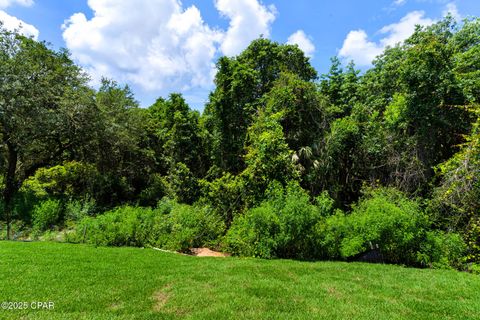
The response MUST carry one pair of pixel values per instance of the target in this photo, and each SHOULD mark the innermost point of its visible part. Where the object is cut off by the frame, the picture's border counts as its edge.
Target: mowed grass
(86, 282)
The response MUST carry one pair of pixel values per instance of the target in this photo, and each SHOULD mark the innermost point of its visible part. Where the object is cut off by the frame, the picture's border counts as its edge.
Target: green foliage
(176, 136)
(171, 226)
(268, 156)
(410, 111)
(155, 190)
(121, 147)
(457, 199)
(331, 231)
(241, 84)
(472, 237)
(119, 227)
(304, 116)
(46, 110)
(282, 226)
(442, 250)
(475, 268)
(255, 234)
(76, 210)
(383, 218)
(188, 227)
(181, 185)
(334, 171)
(395, 112)
(410, 123)
(227, 195)
(389, 219)
(340, 87)
(72, 179)
(47, 214)
(19, 230)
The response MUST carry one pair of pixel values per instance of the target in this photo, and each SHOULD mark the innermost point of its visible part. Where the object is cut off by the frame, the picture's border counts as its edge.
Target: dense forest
(282, 163)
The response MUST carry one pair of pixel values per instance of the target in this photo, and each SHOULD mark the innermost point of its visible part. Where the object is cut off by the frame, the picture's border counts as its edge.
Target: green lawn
(85, 282)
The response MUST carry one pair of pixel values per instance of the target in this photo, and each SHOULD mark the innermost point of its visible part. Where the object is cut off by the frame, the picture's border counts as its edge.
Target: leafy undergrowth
(86, 282)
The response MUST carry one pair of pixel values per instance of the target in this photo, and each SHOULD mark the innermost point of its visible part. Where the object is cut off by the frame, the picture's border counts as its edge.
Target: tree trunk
(10, 185)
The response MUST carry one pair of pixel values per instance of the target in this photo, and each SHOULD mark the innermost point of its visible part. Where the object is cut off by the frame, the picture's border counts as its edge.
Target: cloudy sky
(163, 46)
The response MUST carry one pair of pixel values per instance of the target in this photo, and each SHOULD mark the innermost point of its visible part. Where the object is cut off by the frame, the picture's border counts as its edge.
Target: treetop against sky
(163, 46)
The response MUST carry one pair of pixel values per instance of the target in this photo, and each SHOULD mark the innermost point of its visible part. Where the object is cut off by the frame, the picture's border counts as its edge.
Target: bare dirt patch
(205, 252)
(160, 297)
(116, 306)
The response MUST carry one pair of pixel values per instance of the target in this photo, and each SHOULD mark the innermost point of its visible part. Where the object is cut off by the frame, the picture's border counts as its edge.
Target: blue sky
(163, 46)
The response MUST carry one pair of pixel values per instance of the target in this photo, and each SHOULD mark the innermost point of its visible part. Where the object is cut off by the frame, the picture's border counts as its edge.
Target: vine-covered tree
(241, 83)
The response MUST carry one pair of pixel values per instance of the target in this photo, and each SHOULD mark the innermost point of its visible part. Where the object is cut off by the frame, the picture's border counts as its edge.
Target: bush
(170, 226)
(46, 214)
(331, 233)
(71, 179)
(76, 210)
(474, 268)
(227, 195)
(387, 218)
(442, 250)
(282, 226)
(119, 227)
(189, 227)
(383, 218)
(473, 239)
(255, 234)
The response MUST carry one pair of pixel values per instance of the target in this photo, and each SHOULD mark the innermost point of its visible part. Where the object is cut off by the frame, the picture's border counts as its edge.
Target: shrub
(387, 218)
(46, 214)
(442, 250)
(473, 239)
(226, 195)
(171, 226)
(331, 233)
(72, 179)
(255, 234)
(474, 268)
(188, 226)
(76, 210)
(119, 227)
(282, 226)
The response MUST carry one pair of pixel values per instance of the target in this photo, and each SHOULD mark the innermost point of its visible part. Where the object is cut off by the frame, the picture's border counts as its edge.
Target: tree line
(401, 138)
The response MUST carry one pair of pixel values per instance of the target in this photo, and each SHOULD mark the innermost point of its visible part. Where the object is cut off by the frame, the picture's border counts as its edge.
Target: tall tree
(178, 134)
(241, 83)
(43, 101)
(123, 155)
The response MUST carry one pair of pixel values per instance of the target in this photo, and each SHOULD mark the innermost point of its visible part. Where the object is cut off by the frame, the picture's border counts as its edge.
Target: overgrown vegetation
(170, 226)
(282, 163)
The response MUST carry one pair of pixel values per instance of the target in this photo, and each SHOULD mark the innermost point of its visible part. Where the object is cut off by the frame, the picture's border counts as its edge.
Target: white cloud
(303, 41)
(452, 9)
(399, 2)
(248, 20)
(8, 3)
(158, 44)
(357, 47)
(12, 23)
(397, 32)
(154, 44)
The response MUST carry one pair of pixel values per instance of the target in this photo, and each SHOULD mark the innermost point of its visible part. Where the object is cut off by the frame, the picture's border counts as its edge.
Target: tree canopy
(346, 155)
